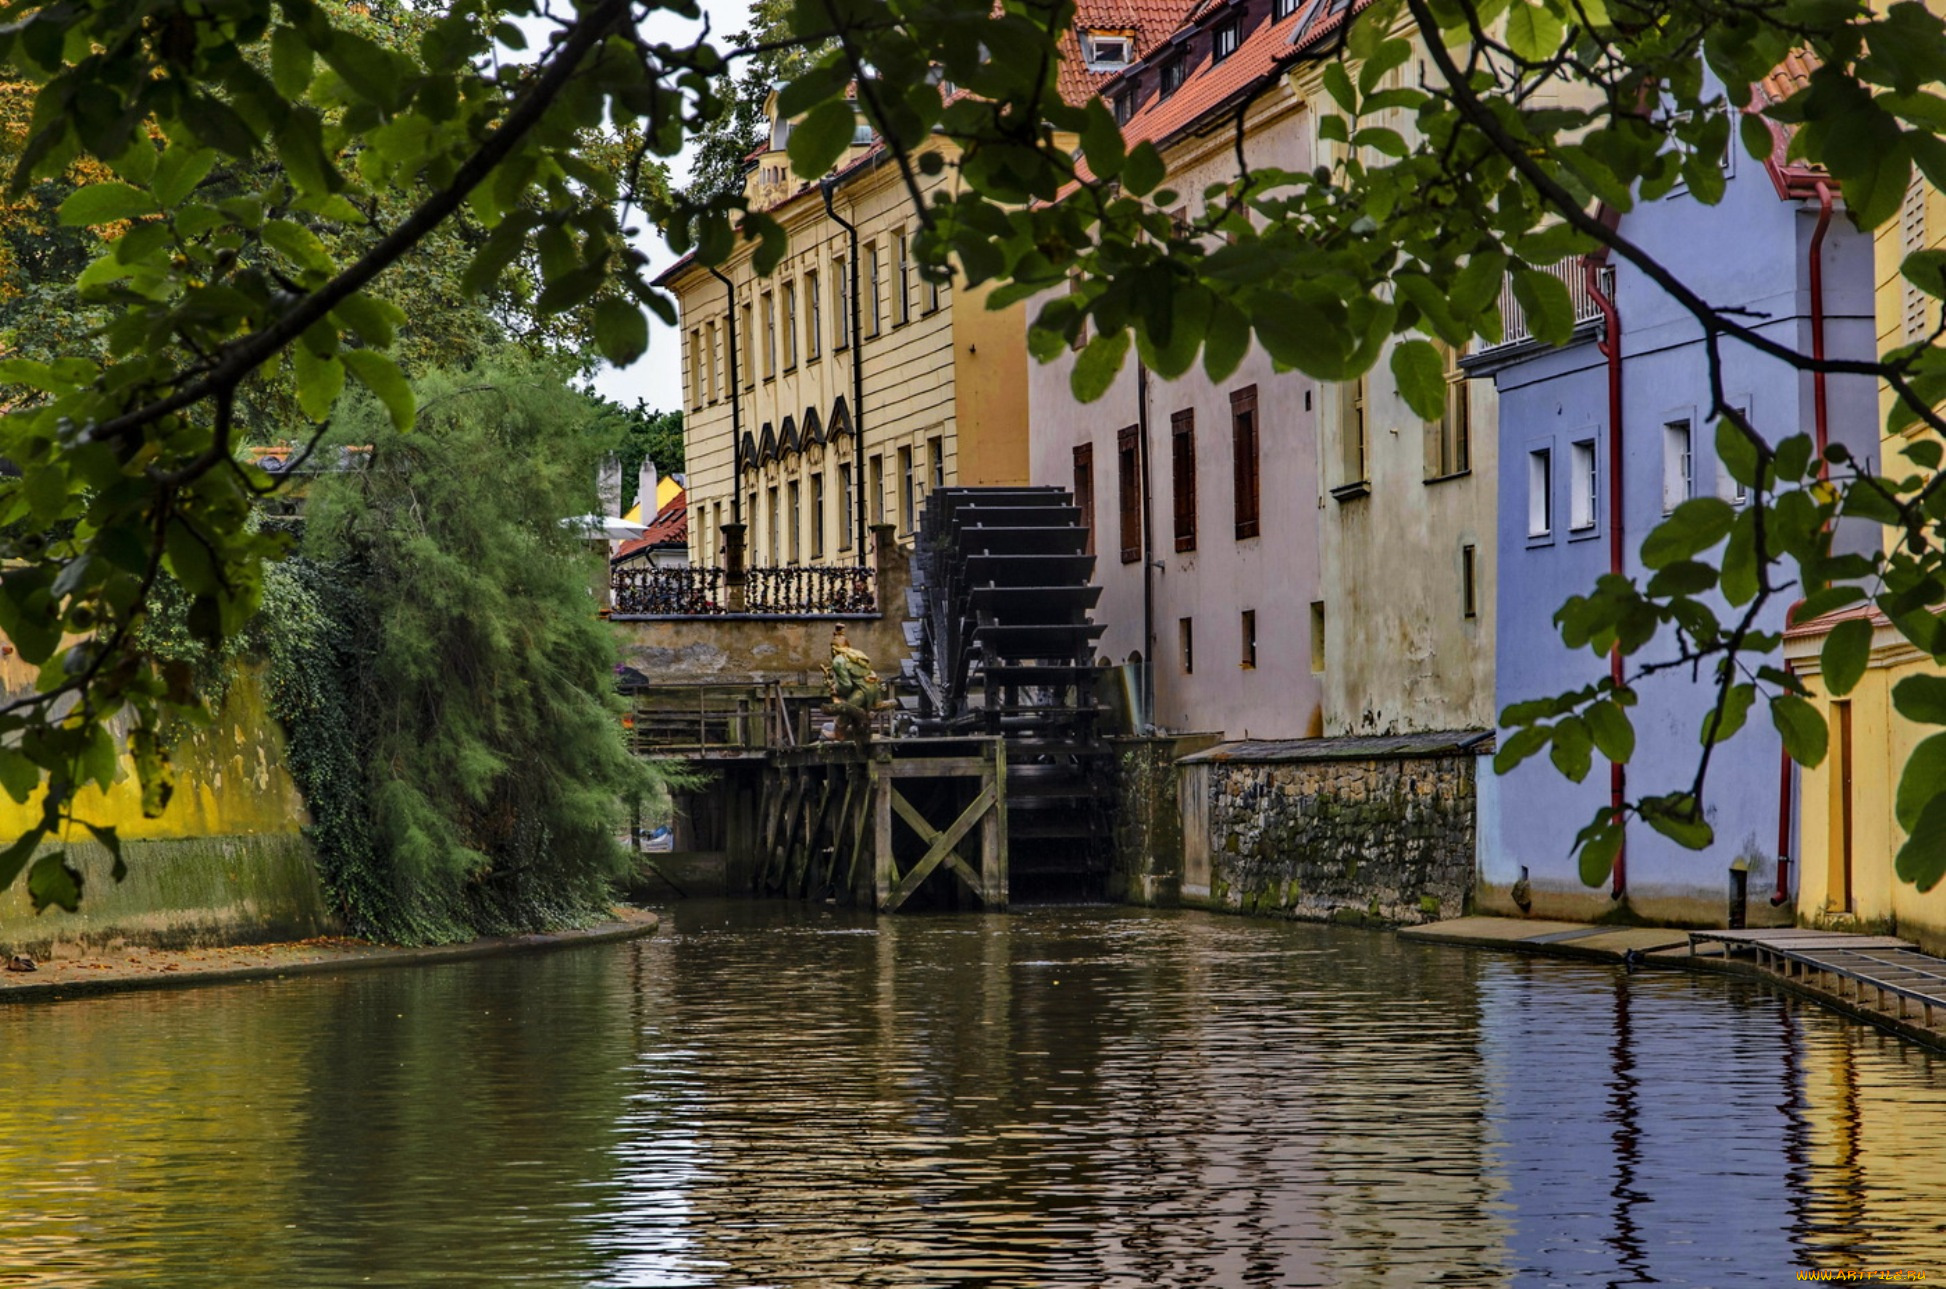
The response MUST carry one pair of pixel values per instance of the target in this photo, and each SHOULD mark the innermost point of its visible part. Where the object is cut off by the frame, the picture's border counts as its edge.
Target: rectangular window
(874, 299)
(696, 367)
(790, 325)
(1243, 450)
(813, 317)
(1540, 492)
(907, 491)
(936, 459)
(817, 516)
(1084, 491)
(1186, 642)
(709, 361)
(875, 481)
(1281, 9)
(770, 336)
(749, 354)
(844, 507)
(1726, 485)
(1678, 468)
(1128, 477)
(1583, 504)
(932, 295)
(1469, 583)
(1124, 106)
(1171, 76)
(840, 305)
(1182, 444)
(776, 529)
(1449, 440)
(1249, 622)
(716, 531)
(1224, 40)
(1317, 637)
(902, 305)
(1352, 430)
(794, 521)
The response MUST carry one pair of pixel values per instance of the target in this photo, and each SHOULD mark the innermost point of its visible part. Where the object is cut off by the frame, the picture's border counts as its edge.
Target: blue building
(1559, 504)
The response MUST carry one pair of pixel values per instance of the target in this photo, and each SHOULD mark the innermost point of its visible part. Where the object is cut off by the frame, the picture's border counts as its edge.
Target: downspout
(1821, 423)
(1148, 542)
(1610, 347)
(736, 402)
(855, 332)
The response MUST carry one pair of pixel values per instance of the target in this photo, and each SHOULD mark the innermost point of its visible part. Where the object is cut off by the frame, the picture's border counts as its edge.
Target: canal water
(769, 1094)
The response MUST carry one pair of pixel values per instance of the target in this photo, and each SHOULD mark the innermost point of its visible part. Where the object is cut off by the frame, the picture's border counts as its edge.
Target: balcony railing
(1572, 274)
(704, 592)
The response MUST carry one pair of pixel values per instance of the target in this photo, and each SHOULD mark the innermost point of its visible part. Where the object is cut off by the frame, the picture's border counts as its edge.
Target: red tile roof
(670, 527)
(1150, 22)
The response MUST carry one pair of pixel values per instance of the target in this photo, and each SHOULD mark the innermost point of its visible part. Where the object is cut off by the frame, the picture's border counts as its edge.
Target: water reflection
(769, 1094)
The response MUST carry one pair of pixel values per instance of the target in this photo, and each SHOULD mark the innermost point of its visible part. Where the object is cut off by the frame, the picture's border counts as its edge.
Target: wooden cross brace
(940, 849)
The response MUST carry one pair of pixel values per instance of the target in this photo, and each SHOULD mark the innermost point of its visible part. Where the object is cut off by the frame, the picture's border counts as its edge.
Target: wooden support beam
(994, 880)
(886, 869)
(863, 780)
(942, 845)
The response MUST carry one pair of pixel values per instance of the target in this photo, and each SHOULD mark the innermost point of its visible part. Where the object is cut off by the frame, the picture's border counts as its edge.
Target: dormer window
(780, 133)
(1224, 40)
(1106, 51)
(1172, 74)
(1124, 105)
(1281, 9)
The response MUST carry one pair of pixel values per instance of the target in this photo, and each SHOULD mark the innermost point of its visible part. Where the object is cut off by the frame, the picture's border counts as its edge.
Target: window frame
(1230, 30)
(845, 504)
(1128, 478)
(817, 515)
(1246, 439)
(1182, 476)
(1540, 493)
(788, 324)
(1584, 486)
(1084, 492)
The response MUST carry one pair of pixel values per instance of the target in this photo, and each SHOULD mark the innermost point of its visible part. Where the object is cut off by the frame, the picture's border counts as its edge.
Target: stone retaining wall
(1332, 829)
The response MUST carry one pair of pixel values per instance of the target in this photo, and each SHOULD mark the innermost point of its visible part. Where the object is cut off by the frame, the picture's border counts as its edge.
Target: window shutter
(1183, 438)
(1243, 425)
(1084, 491)
(1128, 467)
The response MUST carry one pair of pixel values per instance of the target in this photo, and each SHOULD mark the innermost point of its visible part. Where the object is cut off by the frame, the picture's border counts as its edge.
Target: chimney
(608, 485)
(645, 489)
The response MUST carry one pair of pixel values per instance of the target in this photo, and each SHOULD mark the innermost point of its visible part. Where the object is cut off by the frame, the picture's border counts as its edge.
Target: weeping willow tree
(448, 688)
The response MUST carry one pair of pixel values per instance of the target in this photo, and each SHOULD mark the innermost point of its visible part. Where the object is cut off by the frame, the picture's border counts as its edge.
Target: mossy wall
(226, 863)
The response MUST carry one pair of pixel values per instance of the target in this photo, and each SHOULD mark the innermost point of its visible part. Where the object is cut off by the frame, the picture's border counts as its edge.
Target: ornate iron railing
(810, 590)
(703, 592)
(678, 592)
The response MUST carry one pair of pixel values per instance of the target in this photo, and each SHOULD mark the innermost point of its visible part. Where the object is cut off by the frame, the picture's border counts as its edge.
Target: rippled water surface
(774, 1095)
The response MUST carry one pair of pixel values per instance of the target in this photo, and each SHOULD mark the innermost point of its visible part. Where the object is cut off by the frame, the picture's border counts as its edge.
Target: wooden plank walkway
(1876, 974)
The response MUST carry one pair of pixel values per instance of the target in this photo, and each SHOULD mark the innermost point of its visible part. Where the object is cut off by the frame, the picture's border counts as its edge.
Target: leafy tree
(716, 164)
(449, 693)
(1528, 113)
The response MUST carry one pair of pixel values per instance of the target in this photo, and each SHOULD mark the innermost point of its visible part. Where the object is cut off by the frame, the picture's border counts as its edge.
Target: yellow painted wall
(1881, 743)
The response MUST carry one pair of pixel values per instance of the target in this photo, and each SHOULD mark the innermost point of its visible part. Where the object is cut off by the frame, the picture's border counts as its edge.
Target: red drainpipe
(1611, 348)
(1822, 429)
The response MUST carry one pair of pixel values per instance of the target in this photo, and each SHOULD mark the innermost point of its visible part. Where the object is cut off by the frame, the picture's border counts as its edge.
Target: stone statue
(856, 690)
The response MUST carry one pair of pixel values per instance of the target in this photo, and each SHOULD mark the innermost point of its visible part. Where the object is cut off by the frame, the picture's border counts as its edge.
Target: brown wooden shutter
(1128, 468)
(1182, 428)
(1243, 439)
(1084, 491)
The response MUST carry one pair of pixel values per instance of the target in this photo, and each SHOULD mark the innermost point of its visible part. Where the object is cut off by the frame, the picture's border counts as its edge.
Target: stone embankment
(137, 967)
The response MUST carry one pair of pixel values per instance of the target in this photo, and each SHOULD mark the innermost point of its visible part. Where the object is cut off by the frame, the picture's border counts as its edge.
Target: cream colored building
(943, 379)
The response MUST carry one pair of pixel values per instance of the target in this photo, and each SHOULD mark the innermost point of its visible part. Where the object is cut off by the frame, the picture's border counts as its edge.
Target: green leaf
(1846, 652)
(375, 320)
(52, 882)
(1922, 859)
(1095, 370)
(1337, 83)
(320, 379)
(179, 170)
(15, 856)
(1677, 817)
(1600, 843)
(1572, 752)
(105, 203)
(1544, 299)
(1613, 732)
(1737, 453)
(1922, 699)
(1735, 709)
(1693, 527)
(1143, 171)
(621, 330)
(1227, 341)
(821, 138)
(1101, 141)
(19, 776)
(1801, 728)
(1421, 377)
(1534, 32)
(291, 63)
(1520, 745)
(1923, 778)
(298, 244)
(381, 375)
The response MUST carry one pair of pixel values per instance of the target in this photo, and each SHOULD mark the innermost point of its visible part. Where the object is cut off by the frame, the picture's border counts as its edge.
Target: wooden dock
(1879, 978)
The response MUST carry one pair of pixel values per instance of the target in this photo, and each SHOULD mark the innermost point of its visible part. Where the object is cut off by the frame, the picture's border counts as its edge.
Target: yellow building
(1848, 834)
(836, 422)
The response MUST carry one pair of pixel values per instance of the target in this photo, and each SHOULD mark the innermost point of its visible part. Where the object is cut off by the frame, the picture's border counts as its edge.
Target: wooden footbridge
(989, 781)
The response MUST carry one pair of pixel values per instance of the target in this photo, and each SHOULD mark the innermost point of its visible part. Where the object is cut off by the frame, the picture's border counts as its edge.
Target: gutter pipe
(1148, 542)
(855, 333)
(1822, 428)
(736, 402)
(1610, 347)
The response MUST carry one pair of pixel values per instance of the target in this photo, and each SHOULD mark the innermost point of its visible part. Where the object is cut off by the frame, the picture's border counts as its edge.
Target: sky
(657, 375)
